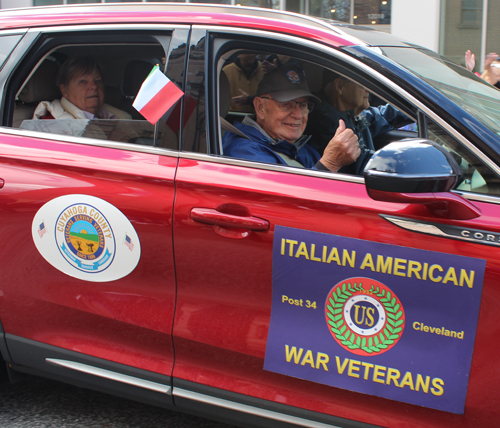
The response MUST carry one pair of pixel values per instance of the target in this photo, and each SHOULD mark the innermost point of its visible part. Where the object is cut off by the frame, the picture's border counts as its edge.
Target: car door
(263, 255)
(88, 279)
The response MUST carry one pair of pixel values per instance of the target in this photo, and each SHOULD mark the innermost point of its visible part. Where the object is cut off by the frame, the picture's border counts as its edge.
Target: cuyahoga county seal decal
(364, 316)
(86, 237)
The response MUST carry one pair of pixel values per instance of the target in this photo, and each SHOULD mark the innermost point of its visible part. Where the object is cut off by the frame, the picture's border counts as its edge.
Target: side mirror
(418, 171)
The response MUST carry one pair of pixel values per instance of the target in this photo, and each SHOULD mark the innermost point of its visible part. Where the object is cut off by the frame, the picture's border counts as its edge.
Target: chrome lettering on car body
(475, 235)
(446, 231)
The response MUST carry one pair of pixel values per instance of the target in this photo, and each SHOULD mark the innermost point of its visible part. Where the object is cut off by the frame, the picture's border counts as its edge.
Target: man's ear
(258, 104)
(338, 84)
(63, 90)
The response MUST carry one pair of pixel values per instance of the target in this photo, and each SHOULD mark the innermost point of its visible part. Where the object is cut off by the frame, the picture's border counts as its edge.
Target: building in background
(449, 27)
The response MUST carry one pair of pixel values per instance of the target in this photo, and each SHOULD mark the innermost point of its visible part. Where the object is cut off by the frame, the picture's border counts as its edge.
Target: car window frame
(223, 40)
(38, 43)
(11, 47)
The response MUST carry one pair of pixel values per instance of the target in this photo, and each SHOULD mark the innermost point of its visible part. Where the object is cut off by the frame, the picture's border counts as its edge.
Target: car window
(240, 73)
(472, 93)
(98, 104)
(7, 44)
(241, 70)
(477, 177)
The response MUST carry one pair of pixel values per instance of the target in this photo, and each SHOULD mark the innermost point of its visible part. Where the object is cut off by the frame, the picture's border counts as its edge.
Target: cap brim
(284, 96)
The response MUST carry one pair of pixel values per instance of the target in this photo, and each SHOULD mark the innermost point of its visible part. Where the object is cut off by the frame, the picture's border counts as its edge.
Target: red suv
(142, 259)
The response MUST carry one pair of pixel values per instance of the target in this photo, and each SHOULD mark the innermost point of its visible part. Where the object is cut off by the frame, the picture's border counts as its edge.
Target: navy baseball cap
(286, 84)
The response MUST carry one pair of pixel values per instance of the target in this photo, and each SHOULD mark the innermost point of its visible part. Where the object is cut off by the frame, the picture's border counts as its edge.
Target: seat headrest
(134, 75)
(42, 84)
(224, 95)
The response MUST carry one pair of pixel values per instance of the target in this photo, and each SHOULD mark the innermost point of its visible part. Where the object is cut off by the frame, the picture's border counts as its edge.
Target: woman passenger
(80, 82)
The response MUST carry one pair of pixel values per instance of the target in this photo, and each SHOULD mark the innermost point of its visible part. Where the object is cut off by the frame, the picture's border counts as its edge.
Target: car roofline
(30, 16)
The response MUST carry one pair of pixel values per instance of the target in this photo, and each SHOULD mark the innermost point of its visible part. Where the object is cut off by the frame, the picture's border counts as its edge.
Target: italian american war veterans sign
(379, 319)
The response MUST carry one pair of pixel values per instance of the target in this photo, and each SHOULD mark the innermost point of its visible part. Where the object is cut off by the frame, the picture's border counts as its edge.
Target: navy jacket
(259, 148)
(324, 121)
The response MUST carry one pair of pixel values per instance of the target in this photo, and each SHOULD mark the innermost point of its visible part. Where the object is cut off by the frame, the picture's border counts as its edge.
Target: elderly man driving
(275, 134)
(343, 100)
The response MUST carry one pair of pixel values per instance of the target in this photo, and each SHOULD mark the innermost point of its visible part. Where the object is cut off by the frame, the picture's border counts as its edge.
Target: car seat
(314, 74)
(224, 105)
(40, 86)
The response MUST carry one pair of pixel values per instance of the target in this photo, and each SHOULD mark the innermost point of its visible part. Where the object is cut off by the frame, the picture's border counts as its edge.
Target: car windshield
(473, 94)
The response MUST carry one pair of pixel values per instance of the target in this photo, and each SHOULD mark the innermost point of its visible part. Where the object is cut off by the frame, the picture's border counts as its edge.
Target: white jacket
(64, 109)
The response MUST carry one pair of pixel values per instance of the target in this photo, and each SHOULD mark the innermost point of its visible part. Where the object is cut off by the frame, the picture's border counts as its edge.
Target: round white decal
(87, 238)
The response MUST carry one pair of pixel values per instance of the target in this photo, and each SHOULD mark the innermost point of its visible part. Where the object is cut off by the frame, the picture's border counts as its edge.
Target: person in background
(80, 82)
(346, 101)
(269, 64)
(275, 134)
(244, 75)
(491, 71)
(470, 61)
(275, 61)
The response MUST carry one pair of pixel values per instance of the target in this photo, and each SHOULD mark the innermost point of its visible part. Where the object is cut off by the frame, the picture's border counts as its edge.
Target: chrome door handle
(217, 218)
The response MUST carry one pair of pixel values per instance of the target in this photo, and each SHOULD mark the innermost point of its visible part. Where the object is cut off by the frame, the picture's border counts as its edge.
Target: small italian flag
(157, 94)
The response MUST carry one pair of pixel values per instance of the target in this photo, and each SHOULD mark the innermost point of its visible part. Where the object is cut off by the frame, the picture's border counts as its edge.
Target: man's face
(85, 91)
(280, 124)
(247, 60)
(354, 96)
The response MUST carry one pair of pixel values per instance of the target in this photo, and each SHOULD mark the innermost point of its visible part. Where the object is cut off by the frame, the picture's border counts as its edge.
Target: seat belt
(289, 160)
(228, 126)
